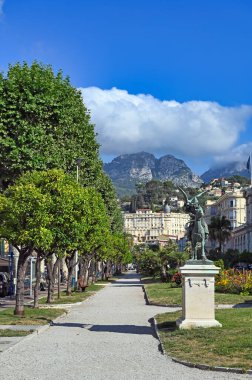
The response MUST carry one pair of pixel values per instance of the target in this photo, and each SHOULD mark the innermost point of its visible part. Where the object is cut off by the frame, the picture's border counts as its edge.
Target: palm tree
(219, 230)
(171, 255)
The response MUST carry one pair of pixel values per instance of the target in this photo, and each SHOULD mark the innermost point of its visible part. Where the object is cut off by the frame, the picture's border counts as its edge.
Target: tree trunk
(163, 273)
(37, 284)
(21, 269)
(102, 269)
(83, 278)
(109, 270)
(51, 273)
(69, 281)
(70, 267)
(91, 271)
(59, 280)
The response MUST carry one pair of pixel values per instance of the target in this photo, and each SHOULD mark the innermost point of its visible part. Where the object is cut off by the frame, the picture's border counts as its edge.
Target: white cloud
(240, 154)
(131, 123)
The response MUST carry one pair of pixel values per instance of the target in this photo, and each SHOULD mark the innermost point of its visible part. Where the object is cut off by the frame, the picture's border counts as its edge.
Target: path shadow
(243, 305)
(124, 285)
(129, 276)
(67, 324)
(121, 329)
(127, 280)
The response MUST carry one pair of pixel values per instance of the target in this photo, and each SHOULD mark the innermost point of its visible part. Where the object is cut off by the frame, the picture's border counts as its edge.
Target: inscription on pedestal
(205, 283)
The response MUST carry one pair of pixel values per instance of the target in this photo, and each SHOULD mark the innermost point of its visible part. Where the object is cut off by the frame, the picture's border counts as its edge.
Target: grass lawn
(164, 294)
(229, 346)
(75, 297)
(31, 317)
(11, 333)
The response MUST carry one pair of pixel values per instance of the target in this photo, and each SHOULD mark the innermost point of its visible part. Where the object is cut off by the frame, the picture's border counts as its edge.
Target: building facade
(232, 205)
(242, 235)
(147, 226)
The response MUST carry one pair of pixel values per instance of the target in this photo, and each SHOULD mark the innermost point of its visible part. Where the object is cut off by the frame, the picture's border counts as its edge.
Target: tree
(49, 213)
(170, 255)
(44, 124)
(147, 260)
(120, 251)
(79, 221)
(96, 237)
(243, 181)
(219, 230)
(106, 189)
(24, 221)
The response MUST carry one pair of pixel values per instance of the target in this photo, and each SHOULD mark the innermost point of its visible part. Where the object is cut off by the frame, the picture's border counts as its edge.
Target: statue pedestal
(198, 296)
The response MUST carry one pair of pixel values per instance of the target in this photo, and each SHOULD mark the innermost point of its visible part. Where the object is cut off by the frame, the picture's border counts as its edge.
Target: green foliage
(243, 181)
(170, 255)
(245, 257)
(230, 257)
(148, 261)
(152, 194)
(118, 249)
(44, 124)
(25, 216)
(157, 261)
(106, 189)
(219, 263)
(219, 230)
(50, 212)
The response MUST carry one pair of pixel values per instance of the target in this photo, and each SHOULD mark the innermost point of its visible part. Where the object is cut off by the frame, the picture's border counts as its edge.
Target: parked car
(4, 284)
(243, 266)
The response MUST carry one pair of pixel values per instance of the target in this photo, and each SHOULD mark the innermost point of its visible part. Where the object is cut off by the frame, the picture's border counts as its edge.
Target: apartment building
(232, 205)
(147, 226)
(242, 235)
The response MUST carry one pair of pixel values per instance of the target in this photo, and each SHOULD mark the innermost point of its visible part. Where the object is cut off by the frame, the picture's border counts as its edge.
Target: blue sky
(163, 76)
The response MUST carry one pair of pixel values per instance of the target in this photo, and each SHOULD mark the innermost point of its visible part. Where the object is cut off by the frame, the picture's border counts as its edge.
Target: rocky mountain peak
(128, 169)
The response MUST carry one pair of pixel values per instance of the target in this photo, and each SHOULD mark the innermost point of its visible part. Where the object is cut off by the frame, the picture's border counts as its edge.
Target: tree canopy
(219, 230)
(43, 124)
(48, 212)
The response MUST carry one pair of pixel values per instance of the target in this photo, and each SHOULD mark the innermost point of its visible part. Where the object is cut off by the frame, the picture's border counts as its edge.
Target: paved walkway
(106, 337)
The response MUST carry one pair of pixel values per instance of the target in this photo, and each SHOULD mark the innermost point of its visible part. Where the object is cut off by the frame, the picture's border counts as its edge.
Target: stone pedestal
(198, 296)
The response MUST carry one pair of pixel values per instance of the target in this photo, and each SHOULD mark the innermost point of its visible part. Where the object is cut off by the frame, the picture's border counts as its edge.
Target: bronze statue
(197, 230)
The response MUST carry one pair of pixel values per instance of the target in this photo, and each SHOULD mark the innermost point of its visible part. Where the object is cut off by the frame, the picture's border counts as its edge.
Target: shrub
(219, 263)
(233, 281)
(177, 279)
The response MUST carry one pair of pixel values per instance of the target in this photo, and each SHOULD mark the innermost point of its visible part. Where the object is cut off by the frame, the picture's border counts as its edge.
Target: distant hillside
(227, 170)
(127, 170)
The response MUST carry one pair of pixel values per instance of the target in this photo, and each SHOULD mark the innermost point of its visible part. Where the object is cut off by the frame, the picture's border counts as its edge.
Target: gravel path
(106, 337)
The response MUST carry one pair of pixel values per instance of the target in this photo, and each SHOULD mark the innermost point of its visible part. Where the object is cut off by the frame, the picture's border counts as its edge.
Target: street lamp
(78, 163)
(32, 260)
(11, 270)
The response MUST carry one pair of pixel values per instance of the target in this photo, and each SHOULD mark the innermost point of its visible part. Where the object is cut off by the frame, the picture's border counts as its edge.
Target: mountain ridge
(127, 170)
(226, 170)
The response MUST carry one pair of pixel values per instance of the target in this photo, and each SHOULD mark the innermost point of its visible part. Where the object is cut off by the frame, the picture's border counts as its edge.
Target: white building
(147, 226)
(232, 205)
(242, 235)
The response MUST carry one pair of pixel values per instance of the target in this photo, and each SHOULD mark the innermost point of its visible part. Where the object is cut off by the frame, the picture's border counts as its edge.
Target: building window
(232, 203)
